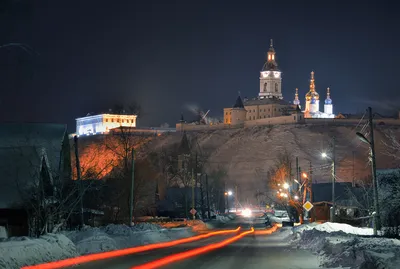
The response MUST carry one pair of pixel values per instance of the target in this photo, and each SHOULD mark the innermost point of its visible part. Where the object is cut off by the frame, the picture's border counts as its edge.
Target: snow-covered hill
(248, 153)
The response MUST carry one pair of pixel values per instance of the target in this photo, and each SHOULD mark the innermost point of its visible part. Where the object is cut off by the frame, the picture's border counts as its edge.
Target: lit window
(106, 120)
(273, 57)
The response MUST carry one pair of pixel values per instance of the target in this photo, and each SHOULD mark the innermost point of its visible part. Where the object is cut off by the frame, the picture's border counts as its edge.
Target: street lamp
(371, 145)
(304, 174)
(286, 186)
(296, 197)
(227, 194)
(325, 156)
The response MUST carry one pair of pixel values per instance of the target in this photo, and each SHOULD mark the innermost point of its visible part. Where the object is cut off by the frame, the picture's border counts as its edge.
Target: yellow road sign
(308, 206)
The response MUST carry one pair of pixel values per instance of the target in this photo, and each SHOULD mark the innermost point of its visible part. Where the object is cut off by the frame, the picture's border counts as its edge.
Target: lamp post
(376, 216)
(324, 155)
(227, 194)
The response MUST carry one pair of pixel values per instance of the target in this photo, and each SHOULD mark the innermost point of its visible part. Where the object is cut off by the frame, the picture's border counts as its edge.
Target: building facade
(269, 103)
(103, 123)
(312, 107)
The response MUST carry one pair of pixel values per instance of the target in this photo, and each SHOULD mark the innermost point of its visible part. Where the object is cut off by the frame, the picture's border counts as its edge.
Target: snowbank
(111, 237)
(225, 218)
(347, 248)
(335, 227)
(20, 251)
(17, 252)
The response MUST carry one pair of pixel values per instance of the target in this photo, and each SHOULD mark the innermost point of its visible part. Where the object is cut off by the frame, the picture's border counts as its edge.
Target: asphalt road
(260, 251)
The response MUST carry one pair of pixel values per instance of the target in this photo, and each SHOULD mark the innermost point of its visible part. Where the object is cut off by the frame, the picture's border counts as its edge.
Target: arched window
(265, 86)
(276, 87)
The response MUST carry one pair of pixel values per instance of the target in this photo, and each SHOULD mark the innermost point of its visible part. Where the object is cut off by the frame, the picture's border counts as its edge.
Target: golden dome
(310, 94)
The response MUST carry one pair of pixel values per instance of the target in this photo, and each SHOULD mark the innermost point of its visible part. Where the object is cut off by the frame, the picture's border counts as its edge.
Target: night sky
(90, 55)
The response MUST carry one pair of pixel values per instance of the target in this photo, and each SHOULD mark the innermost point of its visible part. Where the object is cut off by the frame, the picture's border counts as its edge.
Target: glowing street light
(332, 158)
(230, 193)
(296, 197)
(304, 174)
(286, 186)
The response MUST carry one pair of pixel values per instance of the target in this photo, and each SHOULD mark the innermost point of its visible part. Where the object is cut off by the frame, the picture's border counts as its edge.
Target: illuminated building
(269, 103)
(311, 109)
(270, 77)
(103, 123)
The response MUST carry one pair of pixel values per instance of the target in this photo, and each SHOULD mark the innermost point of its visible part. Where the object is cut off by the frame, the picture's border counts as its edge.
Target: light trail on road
(190, 253)
(127, 251)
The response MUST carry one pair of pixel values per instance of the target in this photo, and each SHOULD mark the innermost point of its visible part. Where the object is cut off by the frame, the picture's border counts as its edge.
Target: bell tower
(270, 77)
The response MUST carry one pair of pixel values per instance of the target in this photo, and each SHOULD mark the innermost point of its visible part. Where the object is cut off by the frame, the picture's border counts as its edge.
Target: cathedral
(311, 109)
(270, 102)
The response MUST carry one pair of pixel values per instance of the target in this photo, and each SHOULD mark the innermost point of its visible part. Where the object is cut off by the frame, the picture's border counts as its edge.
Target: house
(351, 202)
(33, 157)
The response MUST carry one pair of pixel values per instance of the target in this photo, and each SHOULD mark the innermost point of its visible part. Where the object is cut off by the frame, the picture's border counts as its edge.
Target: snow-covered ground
(20, 251)
(347, 246)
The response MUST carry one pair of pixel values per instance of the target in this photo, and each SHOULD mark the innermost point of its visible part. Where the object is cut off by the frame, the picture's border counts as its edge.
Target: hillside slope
(247, 154)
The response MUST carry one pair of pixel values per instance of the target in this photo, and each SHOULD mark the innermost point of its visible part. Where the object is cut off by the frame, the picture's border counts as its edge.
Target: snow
(347, 246)
(16, 252)
(111, 237)
(21, 251)
(336, 227)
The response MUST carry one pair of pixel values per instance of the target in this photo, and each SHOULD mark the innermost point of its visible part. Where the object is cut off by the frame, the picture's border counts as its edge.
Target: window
(112, 120)
(294, 117)
(276, 88)
(254, 117)
(106, 120)
(254, 110)
(274, 110)
(265, 87)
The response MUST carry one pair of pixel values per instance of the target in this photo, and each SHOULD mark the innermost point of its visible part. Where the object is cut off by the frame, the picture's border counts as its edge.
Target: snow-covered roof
(19, 169)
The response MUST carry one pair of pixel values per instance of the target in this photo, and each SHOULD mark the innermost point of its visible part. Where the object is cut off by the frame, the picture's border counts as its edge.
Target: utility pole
(333, 178)
(208, 199)
(79, 178)
(377, 216)
(236, 198)
(311, 190)
(297, 172)
(353, 182)
(132, 189)
(194, 215)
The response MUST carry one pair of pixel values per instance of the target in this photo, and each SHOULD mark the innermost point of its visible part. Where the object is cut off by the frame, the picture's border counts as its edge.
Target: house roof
(38, 135)
(238, 103)
(265, 101)
(19, 169)
(344, 194)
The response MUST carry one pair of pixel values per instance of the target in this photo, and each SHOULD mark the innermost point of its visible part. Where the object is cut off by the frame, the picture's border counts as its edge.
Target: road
(252, 251)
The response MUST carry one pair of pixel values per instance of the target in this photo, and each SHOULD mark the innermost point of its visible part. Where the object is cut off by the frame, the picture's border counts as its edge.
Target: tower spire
(271, 43)
(312, 82)
(296, 100)
(328, 94)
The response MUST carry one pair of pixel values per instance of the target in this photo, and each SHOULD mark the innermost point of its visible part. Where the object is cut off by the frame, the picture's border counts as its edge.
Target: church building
(270, 102)
(312, 109)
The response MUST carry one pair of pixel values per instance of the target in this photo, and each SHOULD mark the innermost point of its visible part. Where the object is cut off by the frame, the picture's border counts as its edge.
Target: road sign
(308, 206)
(193, 211)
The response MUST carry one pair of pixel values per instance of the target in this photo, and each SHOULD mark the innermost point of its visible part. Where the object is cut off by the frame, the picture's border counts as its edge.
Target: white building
(312, 103)
(270, 77)
(103, 123)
